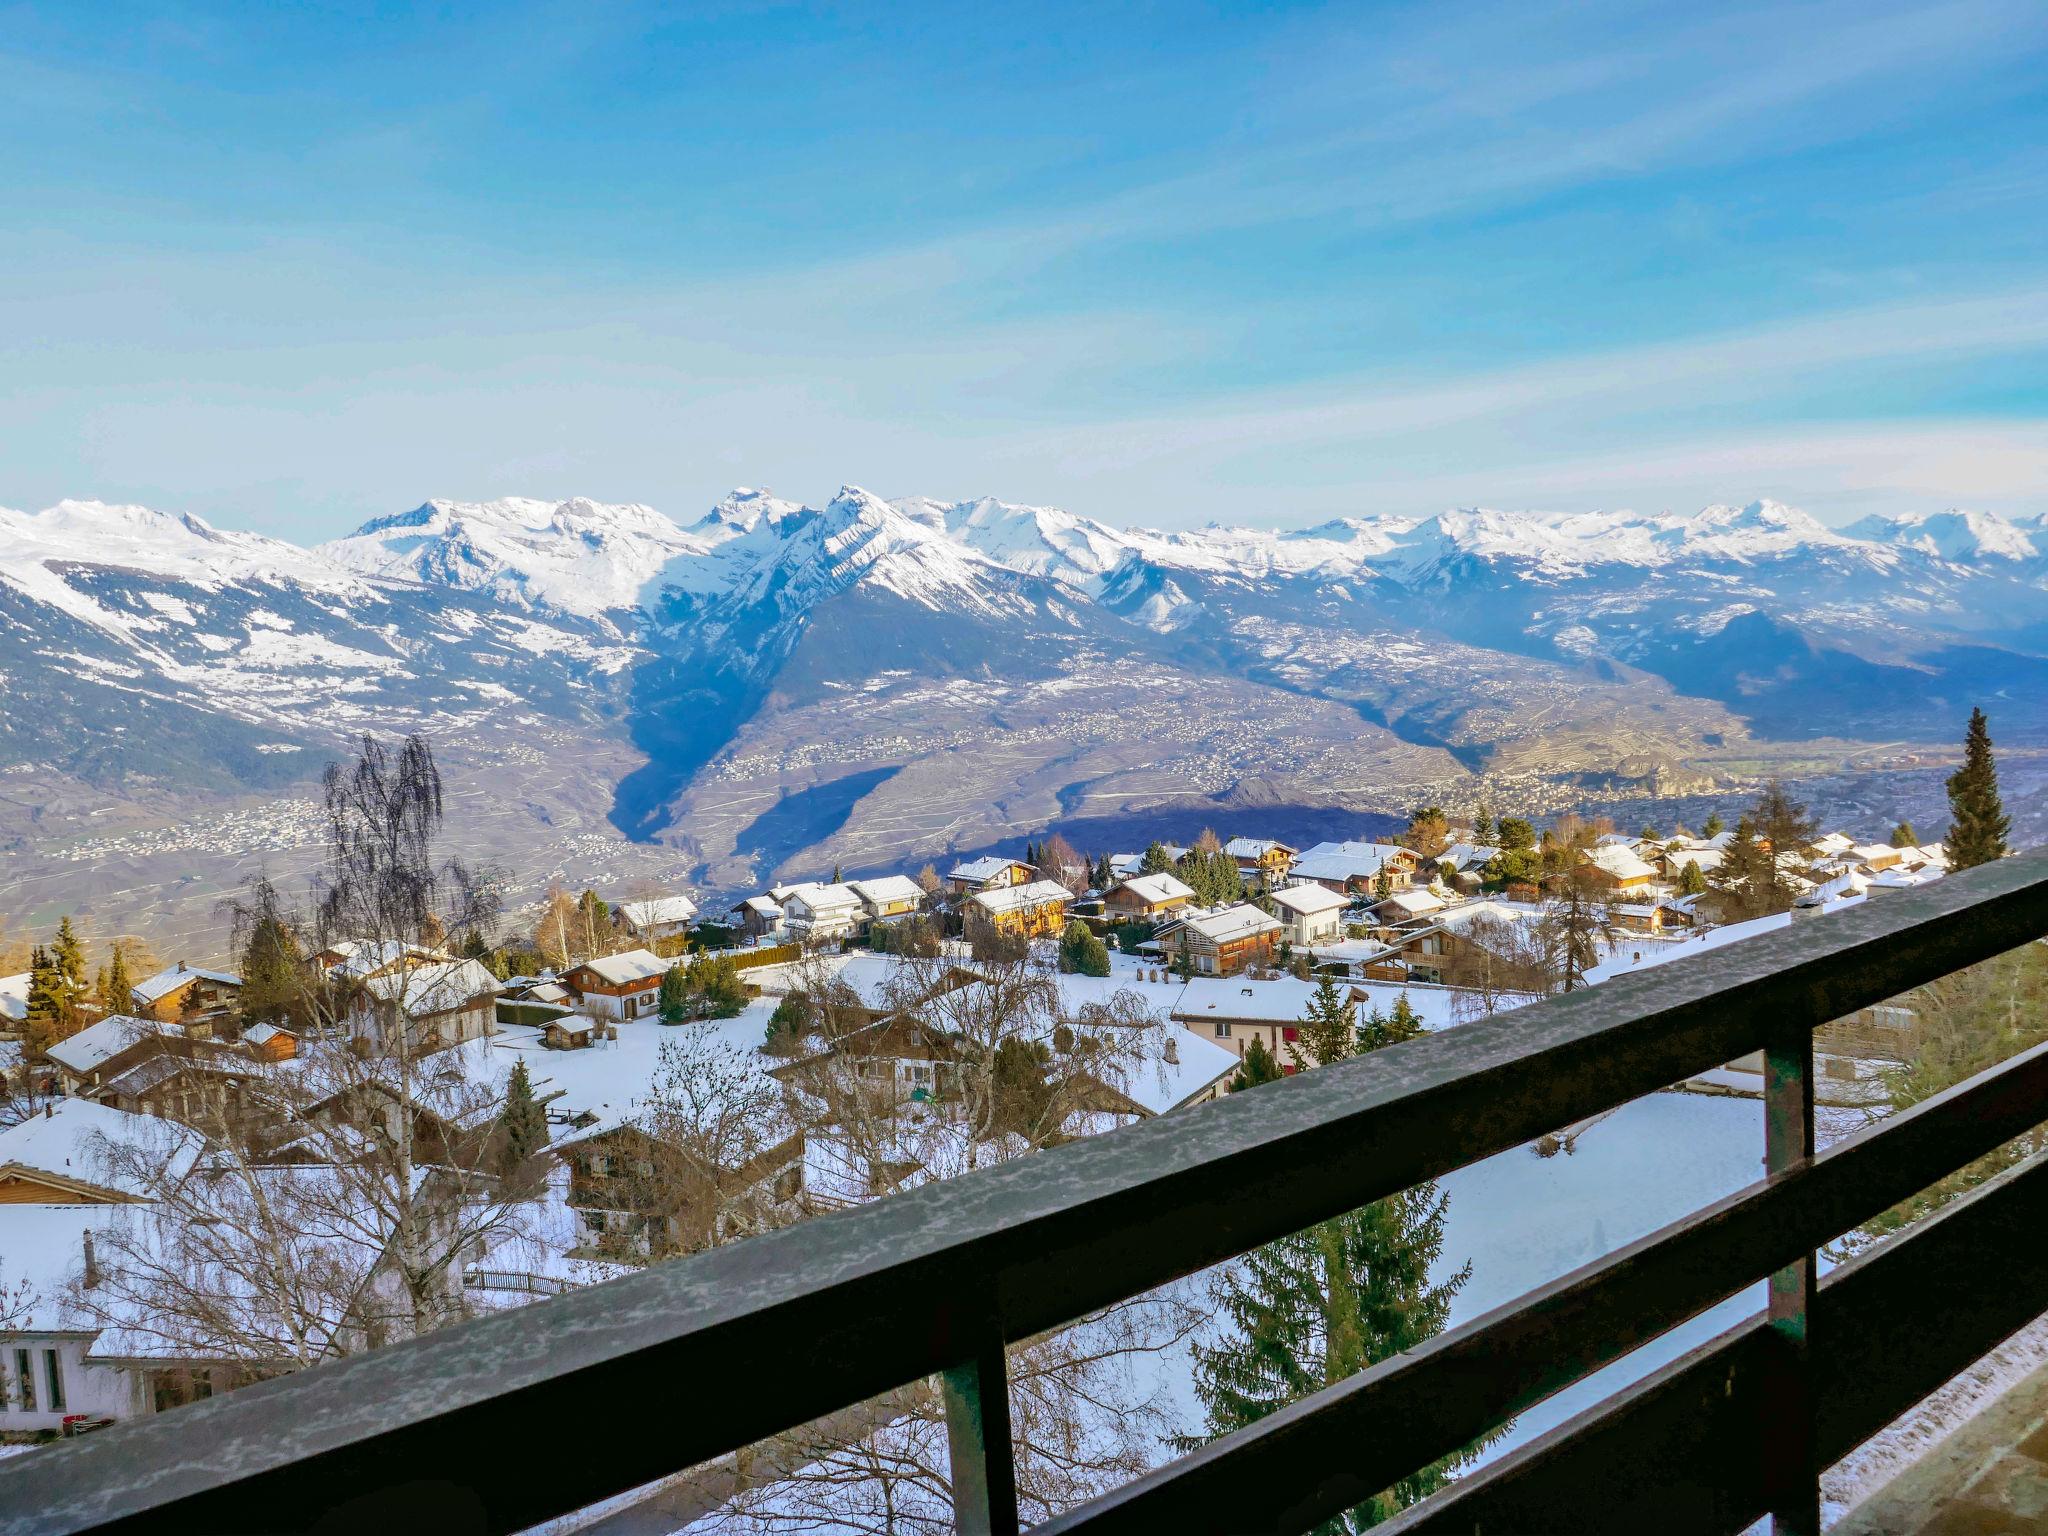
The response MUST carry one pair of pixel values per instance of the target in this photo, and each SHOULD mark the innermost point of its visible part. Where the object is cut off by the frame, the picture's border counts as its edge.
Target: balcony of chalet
(688, 1362)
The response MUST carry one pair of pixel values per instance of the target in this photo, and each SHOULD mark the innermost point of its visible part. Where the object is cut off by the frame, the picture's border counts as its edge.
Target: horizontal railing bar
(855, 1303)
(1679, 1450)
(1337, 1447)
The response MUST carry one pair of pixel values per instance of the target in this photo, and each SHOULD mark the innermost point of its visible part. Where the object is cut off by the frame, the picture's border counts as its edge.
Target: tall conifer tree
(1978, 825)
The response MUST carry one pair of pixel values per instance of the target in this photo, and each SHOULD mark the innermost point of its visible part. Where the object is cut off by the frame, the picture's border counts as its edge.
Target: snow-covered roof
(79, 1140)
(362, 957)
(1635, 954)
(1708, 859)
(1620, 861)
(1285, 1000)
(1349, 861)
(171, 978)
(658, 910)
(1308, 900)
(14, 997)
(626, 968)
(1242, 921)
(105, 1039)
(1412, 904)
(1159, 1083)
(612, 1079)
(985, 868)
(818, 899)
(436, 987)
(1833, 842)
(44, 1248)
(1154, 889)
(884, 889)
(1465, 855)
(766, 906)
(571, 1024)
(263, 1034)
(1254, 847)
(1021, 898)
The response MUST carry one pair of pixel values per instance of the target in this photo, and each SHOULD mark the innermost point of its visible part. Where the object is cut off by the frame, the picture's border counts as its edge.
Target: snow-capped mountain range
(137, 642)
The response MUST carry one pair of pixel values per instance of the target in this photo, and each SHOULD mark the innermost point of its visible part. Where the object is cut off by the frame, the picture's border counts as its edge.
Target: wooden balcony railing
(692, 1359)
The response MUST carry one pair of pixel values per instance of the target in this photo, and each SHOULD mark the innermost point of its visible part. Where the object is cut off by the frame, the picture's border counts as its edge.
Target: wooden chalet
(1146, 897)
(1262, 861)
(1222, 943)
(1032, 910)
(193, 998)
(988, 874)
(621, 986)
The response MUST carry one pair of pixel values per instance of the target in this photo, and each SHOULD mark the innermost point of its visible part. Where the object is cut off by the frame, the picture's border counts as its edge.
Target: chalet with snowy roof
(1309, 914)
(657, 917)
(1407, 907)
(819, 912)
(1036, 909)
(108, 1046)
(360, 959)
(1147, 897)
(759, 918)
(1617, 867)
(1122, 866)
(1222, 943)
(444, 1003)
(190, 996)
(1877, 857)
(14, 1001)
(616, 987)
(1356, 869)
(77, 1152)
(1176, 1068)
(1261, 860)
(889, 897)
(991, 873)
(1672, 859)
(271, 1042)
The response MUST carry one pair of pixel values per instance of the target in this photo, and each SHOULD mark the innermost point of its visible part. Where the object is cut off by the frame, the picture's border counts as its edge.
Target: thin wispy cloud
(1278, 263)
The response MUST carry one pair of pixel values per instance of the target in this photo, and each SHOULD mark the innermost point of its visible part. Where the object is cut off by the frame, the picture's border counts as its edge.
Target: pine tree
(1516, 834)
(1903, 836)
(674, 1002)
(1258, 1066)
(1316, 1307)
(523, 1122)
(1377, 1029)
(1081, 952)
(1649, 834)
(118, 993)
(1747, 873)
(49, 1015)
(1690, 881)
(1978, 825)
(1482, 827)
(1157, 860)
(1328, 1030)
(1184, 960)
(273, 976)
(1711, 827)
(68, 955)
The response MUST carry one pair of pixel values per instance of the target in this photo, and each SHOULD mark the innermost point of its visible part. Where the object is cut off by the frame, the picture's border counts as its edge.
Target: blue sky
(294, 267)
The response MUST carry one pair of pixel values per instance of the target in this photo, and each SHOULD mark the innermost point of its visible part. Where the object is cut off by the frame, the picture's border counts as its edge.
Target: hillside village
(239, 1165)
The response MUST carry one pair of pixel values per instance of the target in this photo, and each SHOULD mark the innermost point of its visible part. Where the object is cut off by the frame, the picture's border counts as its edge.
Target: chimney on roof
(181, 967)
(50, 1108)
(1172, 1051)
(92, 1264)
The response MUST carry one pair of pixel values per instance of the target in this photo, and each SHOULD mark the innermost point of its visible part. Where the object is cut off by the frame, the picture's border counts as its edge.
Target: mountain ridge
(958, 668)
